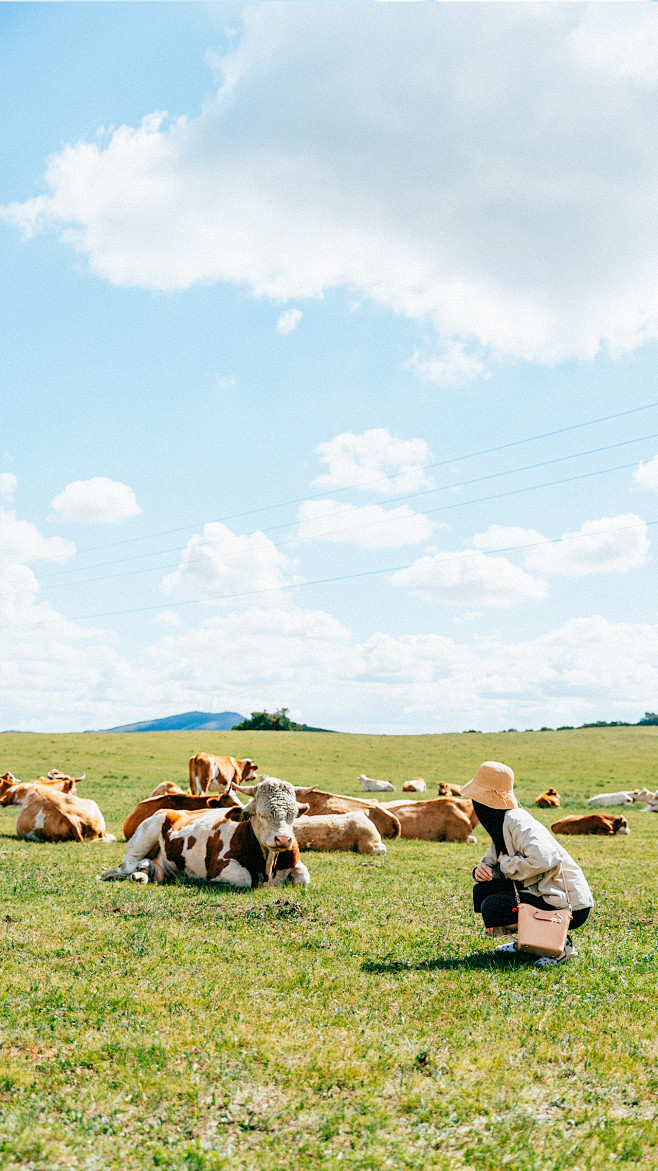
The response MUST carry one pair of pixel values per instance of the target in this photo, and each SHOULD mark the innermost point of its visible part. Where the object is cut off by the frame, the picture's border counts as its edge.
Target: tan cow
(321, 803)
(445, 789)
(592, 823)
(245, 847)
(166, 787)
(339, 831)
(183, 801)
(215, 773)
(14, 794)
(417, 785)
(443, 819)
(50, 816)
(548, 800)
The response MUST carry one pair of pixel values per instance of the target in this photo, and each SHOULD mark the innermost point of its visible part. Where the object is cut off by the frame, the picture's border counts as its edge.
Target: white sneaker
(506, 949)
(569, 953)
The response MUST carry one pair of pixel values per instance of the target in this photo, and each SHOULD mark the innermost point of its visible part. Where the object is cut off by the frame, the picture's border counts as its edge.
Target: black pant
(496, 902)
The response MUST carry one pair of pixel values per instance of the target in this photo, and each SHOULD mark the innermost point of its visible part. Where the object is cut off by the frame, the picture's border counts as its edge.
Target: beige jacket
(534, 861)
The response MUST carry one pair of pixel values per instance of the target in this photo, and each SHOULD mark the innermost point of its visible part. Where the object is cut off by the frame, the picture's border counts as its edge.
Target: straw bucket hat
(492, 785)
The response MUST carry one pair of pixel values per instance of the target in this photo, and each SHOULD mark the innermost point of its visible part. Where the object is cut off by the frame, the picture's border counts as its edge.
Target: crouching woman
(525, 853)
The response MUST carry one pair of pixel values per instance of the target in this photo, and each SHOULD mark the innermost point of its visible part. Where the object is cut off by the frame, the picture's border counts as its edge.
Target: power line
(379, 479)
(333, 532)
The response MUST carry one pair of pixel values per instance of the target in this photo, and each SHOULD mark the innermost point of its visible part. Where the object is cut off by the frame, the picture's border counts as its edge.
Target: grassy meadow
(361, 1024)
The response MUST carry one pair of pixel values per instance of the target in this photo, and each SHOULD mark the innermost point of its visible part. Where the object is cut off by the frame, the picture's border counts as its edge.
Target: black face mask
(492, 820)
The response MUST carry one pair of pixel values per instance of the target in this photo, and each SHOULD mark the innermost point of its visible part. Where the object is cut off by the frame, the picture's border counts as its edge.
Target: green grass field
(361, 1024)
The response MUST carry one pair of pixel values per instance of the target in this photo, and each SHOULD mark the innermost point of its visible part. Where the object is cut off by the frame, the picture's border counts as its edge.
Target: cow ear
(234, 814)
(302, 809)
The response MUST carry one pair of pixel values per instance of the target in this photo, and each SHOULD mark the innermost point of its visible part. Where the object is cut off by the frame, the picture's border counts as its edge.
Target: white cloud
(21, 542)
(506, 537)
(289, 321)
(646, 474)
(453, 367)
(99, 501)
(376, 461)
(469, 579)
(368, 527)
(486, 168)
(612, 544)
(219, 566)
(8, 484)
(166, 618)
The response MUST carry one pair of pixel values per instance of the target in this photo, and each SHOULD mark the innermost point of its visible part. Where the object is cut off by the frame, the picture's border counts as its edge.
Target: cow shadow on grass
(479, 960)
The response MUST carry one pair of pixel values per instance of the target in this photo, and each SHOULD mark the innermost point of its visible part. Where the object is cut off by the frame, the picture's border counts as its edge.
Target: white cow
(372, 786)
(417, 785)
(624, 798)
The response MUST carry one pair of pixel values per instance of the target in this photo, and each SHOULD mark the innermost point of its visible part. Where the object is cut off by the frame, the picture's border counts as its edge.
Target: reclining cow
(445, 789)
(370, 785)
(13, 792)
(548, 800)
(214, 774)
(416, 785)
(339, 831)
(188, 802)
(320, 803)
(625, 797)
(443, 819)
(244, 847)
(47, 815)
(591, 823)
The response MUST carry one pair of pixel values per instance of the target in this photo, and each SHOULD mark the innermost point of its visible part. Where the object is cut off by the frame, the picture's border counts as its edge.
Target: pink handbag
(543, 932)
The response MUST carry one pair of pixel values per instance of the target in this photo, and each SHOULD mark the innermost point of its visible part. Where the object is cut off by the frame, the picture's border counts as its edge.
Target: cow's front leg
(298, 875)
(148, 871)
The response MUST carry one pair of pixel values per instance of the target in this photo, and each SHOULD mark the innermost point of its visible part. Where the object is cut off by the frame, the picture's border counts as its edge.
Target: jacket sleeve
(491, 857)
(535, 853)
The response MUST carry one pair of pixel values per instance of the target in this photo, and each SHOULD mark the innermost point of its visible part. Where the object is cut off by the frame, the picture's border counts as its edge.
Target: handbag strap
(566, 891)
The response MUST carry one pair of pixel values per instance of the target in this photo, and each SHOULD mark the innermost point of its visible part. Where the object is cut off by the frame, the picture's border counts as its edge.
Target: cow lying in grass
(320, 803)
(187, 802)
(548, 800)
(244, 846)
(371, 785)
(417, 785)
(339, 831)
(50, 816)
(445, 789)
(443, 819)
(13, 792)
(625, 797)
(591, 823)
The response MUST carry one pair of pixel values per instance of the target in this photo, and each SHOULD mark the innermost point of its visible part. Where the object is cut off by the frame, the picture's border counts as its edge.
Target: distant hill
(185, 721)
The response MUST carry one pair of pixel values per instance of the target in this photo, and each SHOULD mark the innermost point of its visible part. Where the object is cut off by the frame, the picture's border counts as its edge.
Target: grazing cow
(320, 803)
(16, 793)
(443, 819)
(592, 823)
(417, 785)
(190, 802)
(548, 800)
(369, 785)
(444, 789)
(626, 797)
(339, 831)
(245, 846)
(50, 816)
(215, 773)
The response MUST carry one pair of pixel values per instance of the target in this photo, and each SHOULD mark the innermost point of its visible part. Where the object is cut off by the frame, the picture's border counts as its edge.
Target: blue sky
(292, 292)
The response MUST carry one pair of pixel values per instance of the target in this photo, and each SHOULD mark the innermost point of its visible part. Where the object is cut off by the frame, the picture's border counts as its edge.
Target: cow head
(248, 769)
(620, 825)
(272, 810)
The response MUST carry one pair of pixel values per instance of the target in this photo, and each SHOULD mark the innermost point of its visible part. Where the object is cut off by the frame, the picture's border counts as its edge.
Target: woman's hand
(483, 873)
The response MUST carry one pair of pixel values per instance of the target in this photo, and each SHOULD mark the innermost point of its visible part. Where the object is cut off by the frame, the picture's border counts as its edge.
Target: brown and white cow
(244, 847)
(320, 803)
(47, 815)
(548, 800)
(14, 793)
(591, 823)
(416, 785)
(188, 802)
(215, 773)
(443, 819)
(339, 831)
